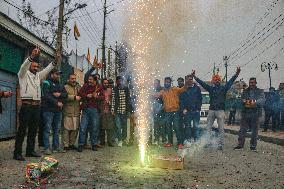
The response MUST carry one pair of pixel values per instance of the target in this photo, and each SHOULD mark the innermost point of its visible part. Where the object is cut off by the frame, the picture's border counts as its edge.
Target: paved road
(118, 168)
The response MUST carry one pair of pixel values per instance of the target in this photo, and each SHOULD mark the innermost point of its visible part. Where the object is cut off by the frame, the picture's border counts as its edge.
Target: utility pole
(103, 42)
(225, 58)
(59, 34)
(116, 60)
(269, 66)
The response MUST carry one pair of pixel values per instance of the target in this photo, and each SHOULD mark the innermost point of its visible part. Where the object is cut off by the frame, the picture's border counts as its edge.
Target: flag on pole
(96, 64)
(89, 55)
(76, 32)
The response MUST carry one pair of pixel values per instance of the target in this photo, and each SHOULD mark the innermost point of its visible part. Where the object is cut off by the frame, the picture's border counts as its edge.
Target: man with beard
(71, 113)
(52, 103)
(30, 91)
(217, 94)
(106, 116)
(190, 106)
(253, 99)
(120, 107)
(91, 94)
(170, 97)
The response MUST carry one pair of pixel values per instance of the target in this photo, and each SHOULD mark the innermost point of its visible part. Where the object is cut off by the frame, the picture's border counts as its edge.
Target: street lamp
(269, 66)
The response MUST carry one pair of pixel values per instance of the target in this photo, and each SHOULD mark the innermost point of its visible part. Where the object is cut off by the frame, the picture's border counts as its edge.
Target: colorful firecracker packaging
(33, 173)
(36, 172)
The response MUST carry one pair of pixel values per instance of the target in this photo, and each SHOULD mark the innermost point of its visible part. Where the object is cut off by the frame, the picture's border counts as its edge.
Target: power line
(27, 13)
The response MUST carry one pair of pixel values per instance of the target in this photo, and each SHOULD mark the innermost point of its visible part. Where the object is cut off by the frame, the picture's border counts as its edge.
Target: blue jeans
(51, 120)
(90, 117)
(191, 120)
(121, 126)
(172, 121)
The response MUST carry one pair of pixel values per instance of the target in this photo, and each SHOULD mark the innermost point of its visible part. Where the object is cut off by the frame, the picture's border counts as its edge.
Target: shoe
(98, 146)
(220, 148)
(72, 147)
(168, 145)
(180, 146)
(87, 146)
(80, 148)
(264, 130)
(156, 143)
(59, 150)
(249, 131)
(33, 154)
(110, 145)
(119, 144)
(253, 149)
(94, 148)
(67, 148)
(19, 157)
(238, 148)
(273, 130)
(47, 152)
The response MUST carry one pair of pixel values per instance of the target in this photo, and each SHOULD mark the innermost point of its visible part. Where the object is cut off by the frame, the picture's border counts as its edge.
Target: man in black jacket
(253, 99)
(190, 106)
(52, 103)
(217, 94)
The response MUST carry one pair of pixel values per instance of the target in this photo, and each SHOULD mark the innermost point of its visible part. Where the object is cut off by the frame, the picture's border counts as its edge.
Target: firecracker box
(166, 162)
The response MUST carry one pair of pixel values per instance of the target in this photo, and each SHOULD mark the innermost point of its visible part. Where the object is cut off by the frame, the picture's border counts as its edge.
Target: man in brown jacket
(71, 113)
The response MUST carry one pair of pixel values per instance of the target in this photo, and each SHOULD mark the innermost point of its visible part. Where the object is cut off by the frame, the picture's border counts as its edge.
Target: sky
(193, 34)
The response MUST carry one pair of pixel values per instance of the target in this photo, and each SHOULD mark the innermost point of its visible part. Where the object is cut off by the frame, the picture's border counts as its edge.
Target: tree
(44, 28)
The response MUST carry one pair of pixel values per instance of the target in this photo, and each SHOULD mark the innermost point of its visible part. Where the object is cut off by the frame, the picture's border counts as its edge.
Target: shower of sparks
(139, 30)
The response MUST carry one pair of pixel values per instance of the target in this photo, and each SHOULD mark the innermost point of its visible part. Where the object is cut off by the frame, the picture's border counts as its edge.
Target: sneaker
(253, 149)
(72, 147)
(19, 157)
(80, 148)
(59, 150)
(98, 146)
(119, 144)
(168, 145)
(47, 152)
(238, 148)
(220, 148)
(264, 130)
(180, 146)
(94, 148)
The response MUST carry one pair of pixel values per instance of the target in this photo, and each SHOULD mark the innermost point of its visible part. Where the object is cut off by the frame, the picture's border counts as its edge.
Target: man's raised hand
(35, 52)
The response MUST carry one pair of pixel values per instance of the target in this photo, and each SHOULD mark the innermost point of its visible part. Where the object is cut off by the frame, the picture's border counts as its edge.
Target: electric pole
(103, 42)
(269, 66)
(59, 34)
(225, 58)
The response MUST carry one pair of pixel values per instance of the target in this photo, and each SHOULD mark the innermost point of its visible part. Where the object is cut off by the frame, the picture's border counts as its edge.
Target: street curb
(277, 141)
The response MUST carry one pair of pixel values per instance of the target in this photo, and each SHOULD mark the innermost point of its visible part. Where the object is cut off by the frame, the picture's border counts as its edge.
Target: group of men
(46, 104)
(98, 108)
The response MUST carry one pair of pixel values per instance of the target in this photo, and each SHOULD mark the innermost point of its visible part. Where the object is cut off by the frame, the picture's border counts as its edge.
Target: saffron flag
(96, 64)
(76, 32)
(88, 56)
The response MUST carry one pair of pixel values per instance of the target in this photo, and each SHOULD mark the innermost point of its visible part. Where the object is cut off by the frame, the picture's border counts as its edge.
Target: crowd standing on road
(99, 110)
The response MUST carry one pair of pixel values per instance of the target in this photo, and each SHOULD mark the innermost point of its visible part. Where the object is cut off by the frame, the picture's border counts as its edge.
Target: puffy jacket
(29, 82)
(253, 94)
(71, 106)
(217, 93)
(171, 98)
(191, 99)
(49, 101)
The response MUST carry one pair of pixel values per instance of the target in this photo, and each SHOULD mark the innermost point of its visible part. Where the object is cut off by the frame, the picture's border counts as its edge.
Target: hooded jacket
(49, 101)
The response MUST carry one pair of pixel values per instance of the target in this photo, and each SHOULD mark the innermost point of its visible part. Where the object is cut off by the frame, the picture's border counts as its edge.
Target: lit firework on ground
(138, 31)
